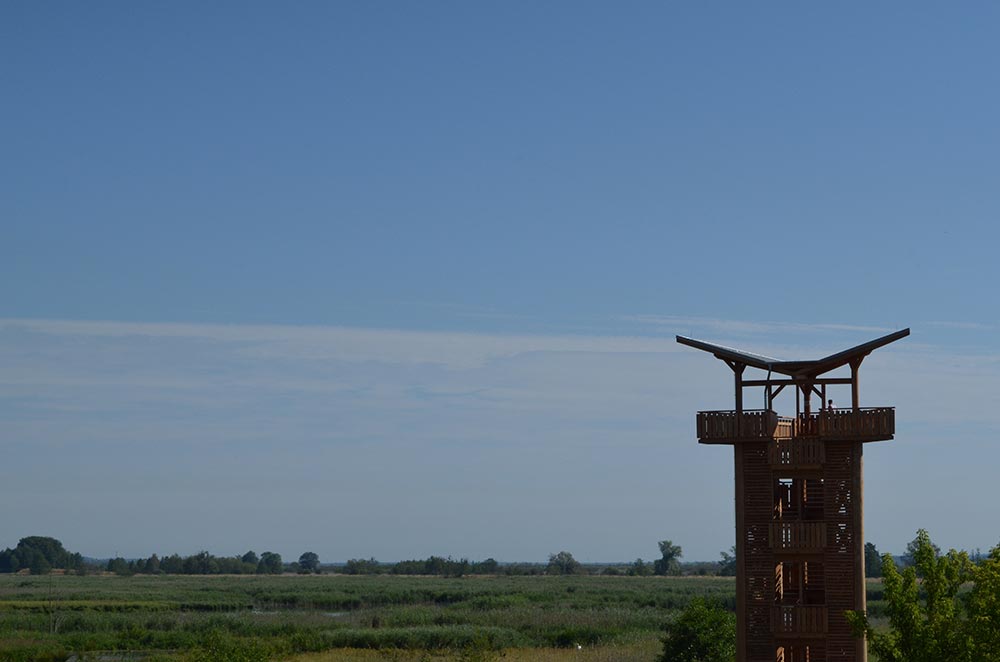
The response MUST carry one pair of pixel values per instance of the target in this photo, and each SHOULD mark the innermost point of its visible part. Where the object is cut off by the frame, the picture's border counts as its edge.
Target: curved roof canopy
(799, 369)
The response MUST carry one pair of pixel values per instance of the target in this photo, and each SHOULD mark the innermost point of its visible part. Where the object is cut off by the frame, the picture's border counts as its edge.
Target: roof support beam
(785, 382)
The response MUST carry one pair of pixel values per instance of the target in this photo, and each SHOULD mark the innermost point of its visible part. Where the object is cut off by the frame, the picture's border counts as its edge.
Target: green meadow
(337, 617)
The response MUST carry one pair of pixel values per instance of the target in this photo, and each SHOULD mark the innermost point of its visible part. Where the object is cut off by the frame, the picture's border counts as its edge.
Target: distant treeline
(435, 565)
(40, 555)
(203, 563)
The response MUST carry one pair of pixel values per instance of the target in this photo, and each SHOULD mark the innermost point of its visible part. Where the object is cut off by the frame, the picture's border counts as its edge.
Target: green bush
(701, 633)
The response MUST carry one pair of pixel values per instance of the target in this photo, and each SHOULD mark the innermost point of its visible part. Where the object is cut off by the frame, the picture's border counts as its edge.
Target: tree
(925, 618)
(40, 554)
(727, 565)
(270, 564)
(250, 557)
(38, 563)
(563, 563)
(914, 545)
(984, 608)
(703, 632)
(119, 566)
(639, 568)
(669, 564)
(152, 565)
(487, 567)
(873, 562)
(9, 561)
(309, 562)
(362, 567)
(172, 565)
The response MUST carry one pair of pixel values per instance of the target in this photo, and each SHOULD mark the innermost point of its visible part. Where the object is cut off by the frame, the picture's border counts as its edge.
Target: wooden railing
(797, 453)
(870, 422)
(798, 536)
(866, 424)
(753, 424)
(798, 620)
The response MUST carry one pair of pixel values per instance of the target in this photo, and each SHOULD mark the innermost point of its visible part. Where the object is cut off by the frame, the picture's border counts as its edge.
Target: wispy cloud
(407, 425)
(730, 326)
(456, 350)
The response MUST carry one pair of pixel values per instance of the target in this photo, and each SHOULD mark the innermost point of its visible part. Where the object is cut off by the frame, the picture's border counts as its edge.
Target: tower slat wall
(841, 513)
(759, 577)
(762, 566)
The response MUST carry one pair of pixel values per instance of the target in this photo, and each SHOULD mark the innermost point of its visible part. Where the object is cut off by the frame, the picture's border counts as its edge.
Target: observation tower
(800, 560)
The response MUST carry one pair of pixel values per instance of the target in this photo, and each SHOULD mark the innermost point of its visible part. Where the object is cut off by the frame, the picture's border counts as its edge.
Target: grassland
(334, 617)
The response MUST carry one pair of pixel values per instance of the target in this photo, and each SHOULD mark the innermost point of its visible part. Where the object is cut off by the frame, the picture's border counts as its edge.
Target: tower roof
(800, 369)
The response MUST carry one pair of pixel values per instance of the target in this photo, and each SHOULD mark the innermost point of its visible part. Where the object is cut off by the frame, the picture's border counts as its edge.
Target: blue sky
(401, 279)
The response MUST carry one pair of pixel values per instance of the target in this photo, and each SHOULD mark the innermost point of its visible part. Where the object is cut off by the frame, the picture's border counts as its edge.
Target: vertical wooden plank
(741, 559)
(860, 593)
(855, 390)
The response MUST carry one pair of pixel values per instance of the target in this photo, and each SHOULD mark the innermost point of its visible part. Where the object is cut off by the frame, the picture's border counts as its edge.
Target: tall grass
(50, 617)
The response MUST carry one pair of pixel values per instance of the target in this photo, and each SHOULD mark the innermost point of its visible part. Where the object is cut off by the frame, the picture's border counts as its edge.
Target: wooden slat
(798, 619)
(798, 536)
(796, 453)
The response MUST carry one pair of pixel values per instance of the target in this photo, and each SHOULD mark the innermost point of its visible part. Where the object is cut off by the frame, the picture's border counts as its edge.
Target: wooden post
(738, 369)
(860, 587)
(855, 391)
(741, 558)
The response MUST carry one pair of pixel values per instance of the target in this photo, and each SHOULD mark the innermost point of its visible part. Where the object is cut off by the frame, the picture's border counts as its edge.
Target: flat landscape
(265, 617)
(338, 617)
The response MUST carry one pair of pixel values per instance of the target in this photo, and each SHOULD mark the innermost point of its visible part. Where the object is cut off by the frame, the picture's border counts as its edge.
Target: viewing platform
(864, 424)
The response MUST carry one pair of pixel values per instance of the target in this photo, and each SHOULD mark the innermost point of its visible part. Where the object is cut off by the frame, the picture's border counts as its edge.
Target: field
(320, 618)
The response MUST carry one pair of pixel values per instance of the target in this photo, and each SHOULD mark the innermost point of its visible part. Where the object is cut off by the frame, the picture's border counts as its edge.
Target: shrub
(701, 633)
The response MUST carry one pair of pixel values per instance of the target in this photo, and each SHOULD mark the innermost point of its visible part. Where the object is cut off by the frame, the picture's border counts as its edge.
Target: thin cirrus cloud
(545, 426)
(746, 327)
(452, 349)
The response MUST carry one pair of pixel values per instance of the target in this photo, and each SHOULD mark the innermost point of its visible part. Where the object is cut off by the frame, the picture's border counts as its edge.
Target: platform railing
(798, 619)
(798, 536)
(848, 423)
(752, 424)
(792, 453)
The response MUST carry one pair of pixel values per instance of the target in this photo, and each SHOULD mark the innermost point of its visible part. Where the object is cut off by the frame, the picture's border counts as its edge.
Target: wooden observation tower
(799, 521)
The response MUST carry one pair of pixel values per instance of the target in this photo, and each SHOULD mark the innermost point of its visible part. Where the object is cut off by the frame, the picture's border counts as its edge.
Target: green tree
(152, 565)
(250, 557)
(42, 553)
(639, 568)
(984, 608)
(362, 567)
(703, 632)
(727, 564)
(925, 618)
(309, 562)
(172, 565)
(270, 564)
(487, 567)
(563, 563)
(873, 562)
(9, 561)
(669, 564)
(118, 565)
(38, 563)
(910, 557)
